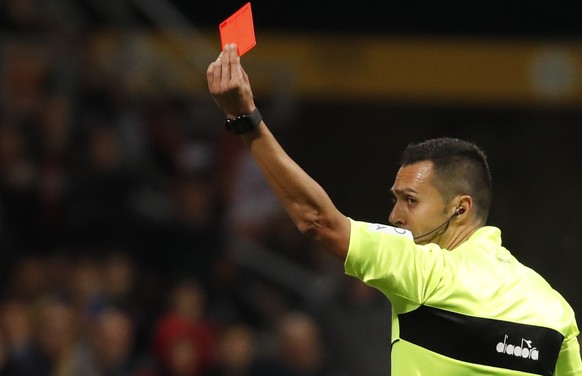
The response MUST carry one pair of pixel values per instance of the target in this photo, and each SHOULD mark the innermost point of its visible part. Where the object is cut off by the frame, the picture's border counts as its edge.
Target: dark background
(519, 19)
(349, 146)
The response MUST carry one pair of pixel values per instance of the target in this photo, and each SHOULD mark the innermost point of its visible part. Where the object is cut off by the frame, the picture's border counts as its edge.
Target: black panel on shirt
(483, 341)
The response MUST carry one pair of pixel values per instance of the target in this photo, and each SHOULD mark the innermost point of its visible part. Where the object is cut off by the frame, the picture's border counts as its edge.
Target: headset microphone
(460, 210)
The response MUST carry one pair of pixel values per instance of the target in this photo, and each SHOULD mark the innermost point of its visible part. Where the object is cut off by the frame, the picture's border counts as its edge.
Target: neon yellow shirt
(472, 311)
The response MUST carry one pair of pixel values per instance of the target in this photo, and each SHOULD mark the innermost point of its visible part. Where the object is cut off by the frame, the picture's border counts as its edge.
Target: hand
(229, 84)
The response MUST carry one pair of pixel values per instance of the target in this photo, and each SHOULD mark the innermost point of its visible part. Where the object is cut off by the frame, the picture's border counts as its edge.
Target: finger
(210, 75)
(245, 76)
(219, 56)
(214, 72)
(226, 65)
(235, 66)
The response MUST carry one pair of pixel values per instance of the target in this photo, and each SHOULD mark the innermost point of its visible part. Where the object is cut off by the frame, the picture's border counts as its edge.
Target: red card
(239, 29)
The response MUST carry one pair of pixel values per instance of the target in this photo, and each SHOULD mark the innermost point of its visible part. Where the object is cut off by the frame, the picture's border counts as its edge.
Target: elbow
(315, 228)
(311, 230)
(332, 234)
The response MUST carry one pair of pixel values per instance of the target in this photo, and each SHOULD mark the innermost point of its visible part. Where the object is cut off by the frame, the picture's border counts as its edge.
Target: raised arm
(303, 198)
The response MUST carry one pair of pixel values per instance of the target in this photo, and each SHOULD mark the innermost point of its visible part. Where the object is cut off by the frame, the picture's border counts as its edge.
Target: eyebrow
(402, 191)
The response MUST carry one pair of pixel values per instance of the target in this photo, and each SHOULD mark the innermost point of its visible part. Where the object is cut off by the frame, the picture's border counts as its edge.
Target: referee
(462, 304)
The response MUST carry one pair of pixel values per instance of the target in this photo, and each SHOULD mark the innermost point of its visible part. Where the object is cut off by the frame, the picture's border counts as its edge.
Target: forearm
(306, 202)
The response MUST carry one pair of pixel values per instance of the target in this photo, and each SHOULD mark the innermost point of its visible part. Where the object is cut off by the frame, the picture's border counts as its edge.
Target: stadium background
(122, 193)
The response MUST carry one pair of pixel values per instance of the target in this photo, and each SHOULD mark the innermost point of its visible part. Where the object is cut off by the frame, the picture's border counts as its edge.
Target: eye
(411, 200)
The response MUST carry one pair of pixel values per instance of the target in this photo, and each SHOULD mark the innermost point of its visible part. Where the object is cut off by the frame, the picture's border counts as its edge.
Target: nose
(394, 218)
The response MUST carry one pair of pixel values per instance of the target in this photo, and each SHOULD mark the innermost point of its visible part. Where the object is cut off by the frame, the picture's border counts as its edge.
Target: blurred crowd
(88, 315)
(138, 239)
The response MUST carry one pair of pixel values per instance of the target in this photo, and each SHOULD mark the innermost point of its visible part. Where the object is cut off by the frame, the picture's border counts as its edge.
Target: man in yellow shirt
(462, 304)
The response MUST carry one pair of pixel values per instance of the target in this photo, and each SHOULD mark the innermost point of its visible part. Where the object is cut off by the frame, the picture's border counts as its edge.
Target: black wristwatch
(244, 123)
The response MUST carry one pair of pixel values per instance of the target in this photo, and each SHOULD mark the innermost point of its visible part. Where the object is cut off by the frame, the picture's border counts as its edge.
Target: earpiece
(460, 210)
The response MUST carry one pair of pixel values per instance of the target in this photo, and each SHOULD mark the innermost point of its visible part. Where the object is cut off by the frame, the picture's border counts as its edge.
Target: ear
(463, 205)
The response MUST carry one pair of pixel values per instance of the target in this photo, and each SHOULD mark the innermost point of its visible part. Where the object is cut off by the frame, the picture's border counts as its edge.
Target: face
(418, 206)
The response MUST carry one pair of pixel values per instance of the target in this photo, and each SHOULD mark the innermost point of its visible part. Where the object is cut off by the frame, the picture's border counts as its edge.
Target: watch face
(244, 123)
(240, 125)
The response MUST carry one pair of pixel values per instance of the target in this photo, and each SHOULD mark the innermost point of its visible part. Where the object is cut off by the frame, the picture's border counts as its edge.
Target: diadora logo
(520, 351)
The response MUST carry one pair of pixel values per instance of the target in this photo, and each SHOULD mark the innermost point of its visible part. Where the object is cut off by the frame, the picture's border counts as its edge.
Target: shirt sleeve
(388, 259)
(569, 361)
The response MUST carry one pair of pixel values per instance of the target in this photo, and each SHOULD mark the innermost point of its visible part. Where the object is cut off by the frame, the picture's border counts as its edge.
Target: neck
(457, 236)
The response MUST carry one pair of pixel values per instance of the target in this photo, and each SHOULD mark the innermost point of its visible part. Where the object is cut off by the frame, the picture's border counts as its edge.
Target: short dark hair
(460, 167)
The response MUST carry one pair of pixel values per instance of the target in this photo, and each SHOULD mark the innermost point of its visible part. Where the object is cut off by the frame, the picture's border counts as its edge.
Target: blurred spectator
(184, 338)
(238, 355)
(107, 347)
(49, 353)
(119, 280)
(180, 354)
(302, 346)
(27, 68)
(235, 352)
(16, 329)
(5, 360)
(58, 269)
(87, 292)
(27, 280)
(123, 291)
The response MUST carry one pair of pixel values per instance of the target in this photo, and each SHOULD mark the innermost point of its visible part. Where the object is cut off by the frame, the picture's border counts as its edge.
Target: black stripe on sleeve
(490, 342)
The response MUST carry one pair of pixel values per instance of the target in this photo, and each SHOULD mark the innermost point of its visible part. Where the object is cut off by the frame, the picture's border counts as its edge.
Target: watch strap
(244, 123)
